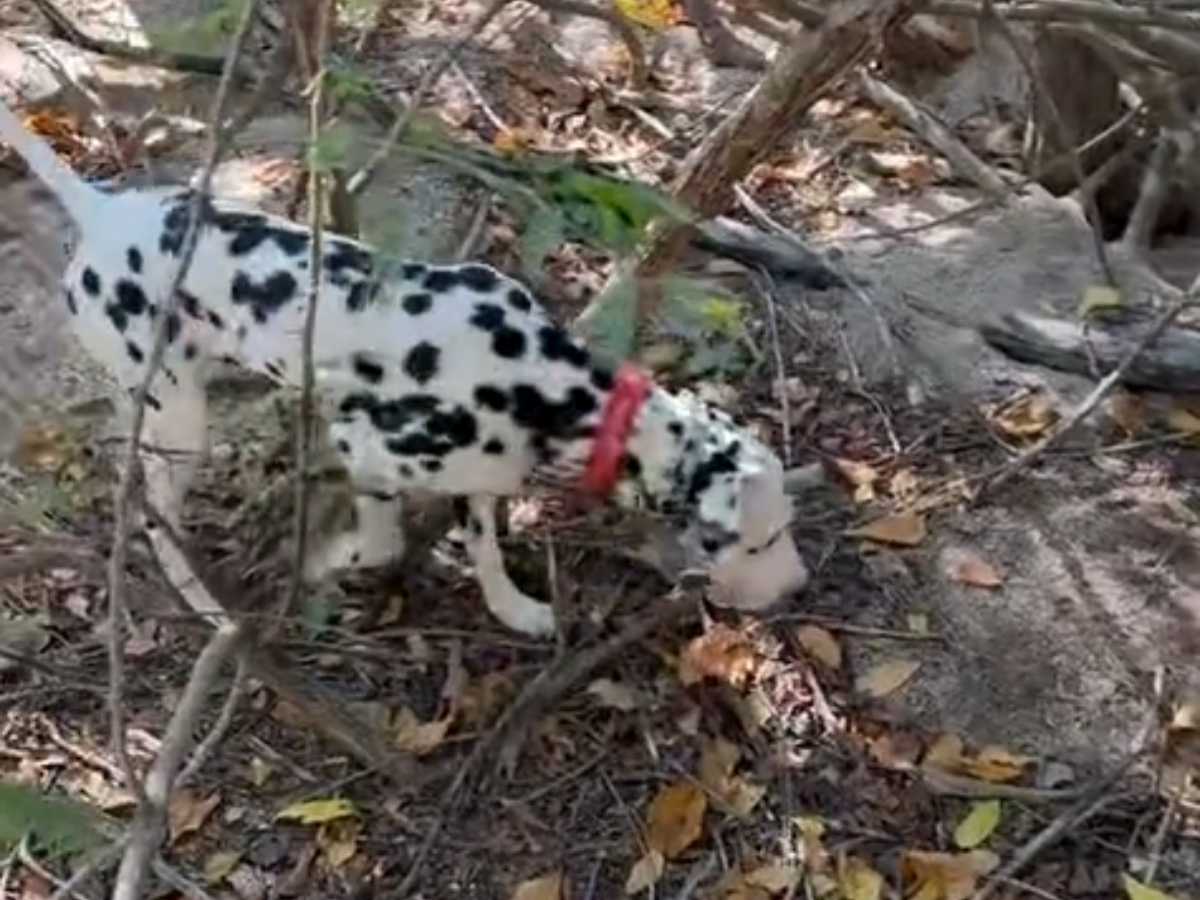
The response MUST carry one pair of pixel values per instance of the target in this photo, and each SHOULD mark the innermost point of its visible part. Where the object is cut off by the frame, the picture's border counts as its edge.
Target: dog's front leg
(505, 601)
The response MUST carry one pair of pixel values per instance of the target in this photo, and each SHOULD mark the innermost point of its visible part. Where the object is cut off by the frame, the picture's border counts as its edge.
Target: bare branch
(131, 467)
(1068, 11)
(1151, 197)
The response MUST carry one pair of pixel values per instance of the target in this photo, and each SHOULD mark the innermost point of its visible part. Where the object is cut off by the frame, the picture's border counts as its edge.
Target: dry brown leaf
(1183, 421)
(417, 737)
(514, 141)
(997, 765)
(872, 132)
(904, 530)
(187, 811)
(721, 653)
(774, 878)
(945, 753)
(946, 876)
(968, 568)
(484, 697)
(338, 841)
(1128, 412)
(903, 484)
(895, 750)
(645, 872)
(547, 887)
(820, 645)
(614, 694)
(1026, 418)
(218, 866)
(676, 818)
(886, 677)
(861, 476)
(717, 761)
(857, 880)
(920, 172)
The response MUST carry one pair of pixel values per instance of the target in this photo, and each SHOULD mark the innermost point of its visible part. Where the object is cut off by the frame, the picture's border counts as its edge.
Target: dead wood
(721, 46)
(782, 257)
(1172, 363)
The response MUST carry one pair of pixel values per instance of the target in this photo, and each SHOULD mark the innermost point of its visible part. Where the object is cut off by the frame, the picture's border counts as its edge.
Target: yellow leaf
(1027, 417)
(316, 812)
(339, 841)
(946, 876)
(1183, 421)
(968, 568)
(886, 677)
(821, 645)
(1097, 297)
(978, 824)
(997, 765)
(187, 811)
(861, 476)
(774, 878)
(721, 653)
(858, 881)
(548, 887)
(417, 737)
(1135, 890)
(735, 794)
(653, 14)
(645, 872)
(676, 818)
(904, 530)
(613, 694)
(218, 866)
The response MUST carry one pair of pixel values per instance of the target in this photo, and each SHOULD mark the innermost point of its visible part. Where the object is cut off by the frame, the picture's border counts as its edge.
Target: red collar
(631, 387)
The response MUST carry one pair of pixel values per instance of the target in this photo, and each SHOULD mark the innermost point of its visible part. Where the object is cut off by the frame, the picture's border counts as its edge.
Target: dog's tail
(80, 199)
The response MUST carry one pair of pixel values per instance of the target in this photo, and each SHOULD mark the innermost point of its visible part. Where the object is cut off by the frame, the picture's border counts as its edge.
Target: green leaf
(542, 233)
(60, 826)
(610, 327)
(978, 825)
(331, 149)
(1138, 891)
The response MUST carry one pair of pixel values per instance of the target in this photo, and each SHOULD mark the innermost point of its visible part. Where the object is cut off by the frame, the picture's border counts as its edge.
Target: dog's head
(728, 489)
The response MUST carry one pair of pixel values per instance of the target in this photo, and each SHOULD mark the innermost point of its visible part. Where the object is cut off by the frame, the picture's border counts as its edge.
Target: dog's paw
(534, 619)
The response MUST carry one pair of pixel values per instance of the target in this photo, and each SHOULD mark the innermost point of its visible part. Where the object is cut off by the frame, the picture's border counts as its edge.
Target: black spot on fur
(131, 297)
(478, 278)
(390, 415)
(416, 304)
(508, 343)
(412, 271)
(174, 326)
(487, 317)
(405, 470)
(215, 320)
(676, 429)
(235, 220)
(519, 300)
(134, 257)
(345, 258)
(438, 281)
(361, 293)
(134, 351)
(152, 402)
(532, 410)
(556, 344)
(367, 369)
(266, 297)
(343, 447)
(491, 397)
(71, 304)
(174, 228)
(189, 351)
(702, 477)
(602, 379)
(494, 447)
(633, 465)
(190, 304)
(421, 363)
(431, 465)
(90, 282)
(459, 425)
(119, 319)
(419, 444)
(253, 232)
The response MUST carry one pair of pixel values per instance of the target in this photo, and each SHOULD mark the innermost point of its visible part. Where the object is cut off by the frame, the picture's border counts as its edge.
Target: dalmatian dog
(439, 378)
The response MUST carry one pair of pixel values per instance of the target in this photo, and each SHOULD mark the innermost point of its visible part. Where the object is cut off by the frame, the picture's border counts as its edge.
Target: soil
(1090, 634)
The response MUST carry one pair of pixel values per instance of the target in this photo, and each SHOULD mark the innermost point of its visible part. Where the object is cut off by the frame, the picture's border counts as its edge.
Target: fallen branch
(1068, 11)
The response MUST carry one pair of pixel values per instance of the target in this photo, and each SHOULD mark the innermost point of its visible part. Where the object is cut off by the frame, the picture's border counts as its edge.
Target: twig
(960, 786)
(766, 289)
(701, 870)
(360, 179)
(316, 208)
(149, 823)
(1102, 390)
(38, 869)
(130, 468)
(180, 882)
(94, 866)
(1160, 837)
(220, 727)
(858, 630)
(1151, 197)
(1069, 11)
(480, 100)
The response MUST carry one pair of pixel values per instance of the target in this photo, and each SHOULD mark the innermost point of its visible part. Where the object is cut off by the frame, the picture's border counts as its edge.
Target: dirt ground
(1053, 621)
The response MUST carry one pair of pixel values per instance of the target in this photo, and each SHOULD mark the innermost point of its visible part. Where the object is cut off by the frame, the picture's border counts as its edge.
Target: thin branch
(1068, 11)
(97, 864)
(359, 181)
(1152, 195)
(131, 467)
(220, 727)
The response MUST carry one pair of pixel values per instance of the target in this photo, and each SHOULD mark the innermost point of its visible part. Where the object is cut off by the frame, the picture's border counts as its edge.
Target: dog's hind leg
(505, 601)
(376, 539)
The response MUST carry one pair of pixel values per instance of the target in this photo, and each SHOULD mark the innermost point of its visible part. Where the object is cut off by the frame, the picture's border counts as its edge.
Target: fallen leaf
(547, 887)
(721, 653)
(946, 876)
(858, 881)
(676, 818)
(338, 841)
(978, 824)
(886, 677)
(1183, 421)
(870, 131)
(417, 737)
(1027, 417)
(1135, 890)
(945, 753)
(774, 878)
(187, 811)
(1128, 412)
(861, 476)
(968, 568)
(895, 750)
(997, 765)
(653, 14)
(260, 771)
(218, 866)
(1098, 297)
(645, 872)
(904, 484)
(717, 761)
(613, 694)
(513, 141)
(393, 612)
(905, 530)
(820, 645)
(315, 812)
